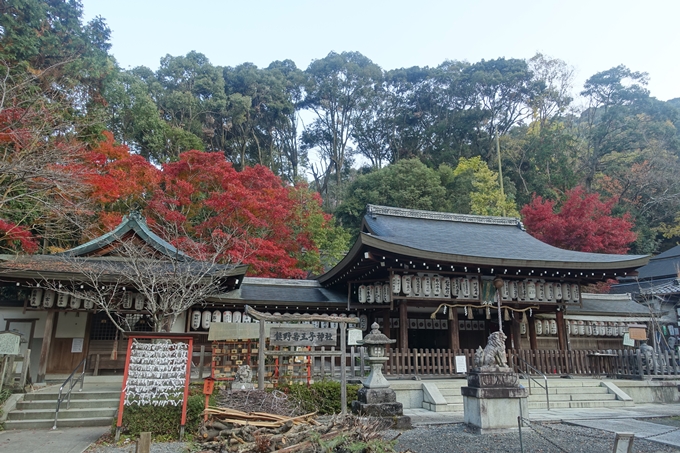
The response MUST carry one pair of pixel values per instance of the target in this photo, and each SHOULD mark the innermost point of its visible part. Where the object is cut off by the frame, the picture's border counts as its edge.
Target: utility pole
(500, 169)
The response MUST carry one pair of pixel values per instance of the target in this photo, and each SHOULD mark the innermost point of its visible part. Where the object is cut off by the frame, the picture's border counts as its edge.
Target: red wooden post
(121, 404)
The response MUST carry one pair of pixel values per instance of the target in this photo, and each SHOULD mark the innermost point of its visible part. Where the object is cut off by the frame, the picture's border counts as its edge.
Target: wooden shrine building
(408, 265)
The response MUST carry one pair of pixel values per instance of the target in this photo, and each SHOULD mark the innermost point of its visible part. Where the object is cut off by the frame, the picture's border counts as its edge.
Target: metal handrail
(529, 379)
(61, 397)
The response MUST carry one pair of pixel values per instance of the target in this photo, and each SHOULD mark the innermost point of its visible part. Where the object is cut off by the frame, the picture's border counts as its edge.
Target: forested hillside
(280, 161)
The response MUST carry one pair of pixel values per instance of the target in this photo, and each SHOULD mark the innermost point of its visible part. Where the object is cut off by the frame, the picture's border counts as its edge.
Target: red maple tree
(247, 217)
(119, 180)
(584, 222)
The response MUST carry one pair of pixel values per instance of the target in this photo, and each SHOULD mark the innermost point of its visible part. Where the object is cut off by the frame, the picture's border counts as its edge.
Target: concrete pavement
(66, 440)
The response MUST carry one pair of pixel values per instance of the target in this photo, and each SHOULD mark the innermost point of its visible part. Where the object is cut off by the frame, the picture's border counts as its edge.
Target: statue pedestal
(381, 402)
(492, 400)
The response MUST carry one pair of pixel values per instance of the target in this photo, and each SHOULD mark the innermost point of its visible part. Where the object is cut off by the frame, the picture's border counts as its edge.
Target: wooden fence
(405, 363)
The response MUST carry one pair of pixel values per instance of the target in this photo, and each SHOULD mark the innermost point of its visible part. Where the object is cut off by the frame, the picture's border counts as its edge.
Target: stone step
(574, 397)
(75, 395)
(49, 423)
(563, 383)
(64, 414)
(572, 390)
(75, 404)
(455, 407)
(578, 404)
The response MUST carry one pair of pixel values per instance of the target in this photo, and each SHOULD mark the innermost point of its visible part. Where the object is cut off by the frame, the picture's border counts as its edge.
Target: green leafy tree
(476, 190)
(406, 184)
(338, 89)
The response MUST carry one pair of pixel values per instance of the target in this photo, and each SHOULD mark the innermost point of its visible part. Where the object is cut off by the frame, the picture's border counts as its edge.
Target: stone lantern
(376, 398)
(376, 342)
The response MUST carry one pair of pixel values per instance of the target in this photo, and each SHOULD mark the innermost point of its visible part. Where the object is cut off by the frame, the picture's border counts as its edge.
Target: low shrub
(322, 397)
(162, 421)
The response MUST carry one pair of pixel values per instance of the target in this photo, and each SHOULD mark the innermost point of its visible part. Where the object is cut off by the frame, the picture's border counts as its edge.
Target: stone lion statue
(494, 352)
(244, 375)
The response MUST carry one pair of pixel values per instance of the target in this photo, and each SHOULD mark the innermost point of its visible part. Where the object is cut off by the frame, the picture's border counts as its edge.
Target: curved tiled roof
(471, 240)
(136, 223)
(481, 237)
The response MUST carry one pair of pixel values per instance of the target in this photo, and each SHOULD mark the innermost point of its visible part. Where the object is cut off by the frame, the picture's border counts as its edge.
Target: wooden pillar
(454, 334)
(45, 349)
(386, 324)
(403, 324)
(516, 332)
(561, 330)
(533, 342)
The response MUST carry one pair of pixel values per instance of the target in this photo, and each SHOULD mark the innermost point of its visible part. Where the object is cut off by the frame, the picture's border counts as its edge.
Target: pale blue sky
(590, 35)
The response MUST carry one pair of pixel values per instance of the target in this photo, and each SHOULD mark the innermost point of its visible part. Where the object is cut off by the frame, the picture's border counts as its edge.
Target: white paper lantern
(589, 329)
(566, 292)
(558, 291)
(363, 294)
(539, 327)
(127, 300)
(521, 290)
(474, 288)
(88, 304)
(377, 294)
(396, 284)
(246, 318)
(505, 291)
(370, 294)
(540, 291)
(549, 292)
(217, 316)
(427, 286)
(455, 287)
(446, 287)
(575, 293)
(581, 328)
(236, 316)
(387, 297)
(464, 288)
(75, 302)
(406, 284)
(226, 316)
(417, 286)
(531, 290)
(206, 317)
(574, 327)
(196, 319)
(48, 298)
(513, 289)
(553, 327)
(139, 302)
(546, 327)
(36, 297)
(363, 322)
(62, 300)
(436, 286)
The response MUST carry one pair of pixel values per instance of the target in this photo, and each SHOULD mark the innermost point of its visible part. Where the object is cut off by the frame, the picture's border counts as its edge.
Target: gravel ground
(540, 438)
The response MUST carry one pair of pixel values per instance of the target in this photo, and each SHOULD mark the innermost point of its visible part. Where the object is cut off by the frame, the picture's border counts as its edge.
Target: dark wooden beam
(46, 343)
(403, 324)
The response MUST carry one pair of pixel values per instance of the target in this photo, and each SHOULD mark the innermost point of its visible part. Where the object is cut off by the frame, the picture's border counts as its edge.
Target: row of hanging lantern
(200, 320)
(47, 298)
(467, 288)
(596, 328)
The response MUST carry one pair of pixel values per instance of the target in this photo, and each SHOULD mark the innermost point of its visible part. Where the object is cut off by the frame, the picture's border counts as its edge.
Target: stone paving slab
(64, 440)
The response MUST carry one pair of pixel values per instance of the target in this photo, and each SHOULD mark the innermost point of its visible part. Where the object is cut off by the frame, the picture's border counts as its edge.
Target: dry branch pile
(274, 402)
(229, 430)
